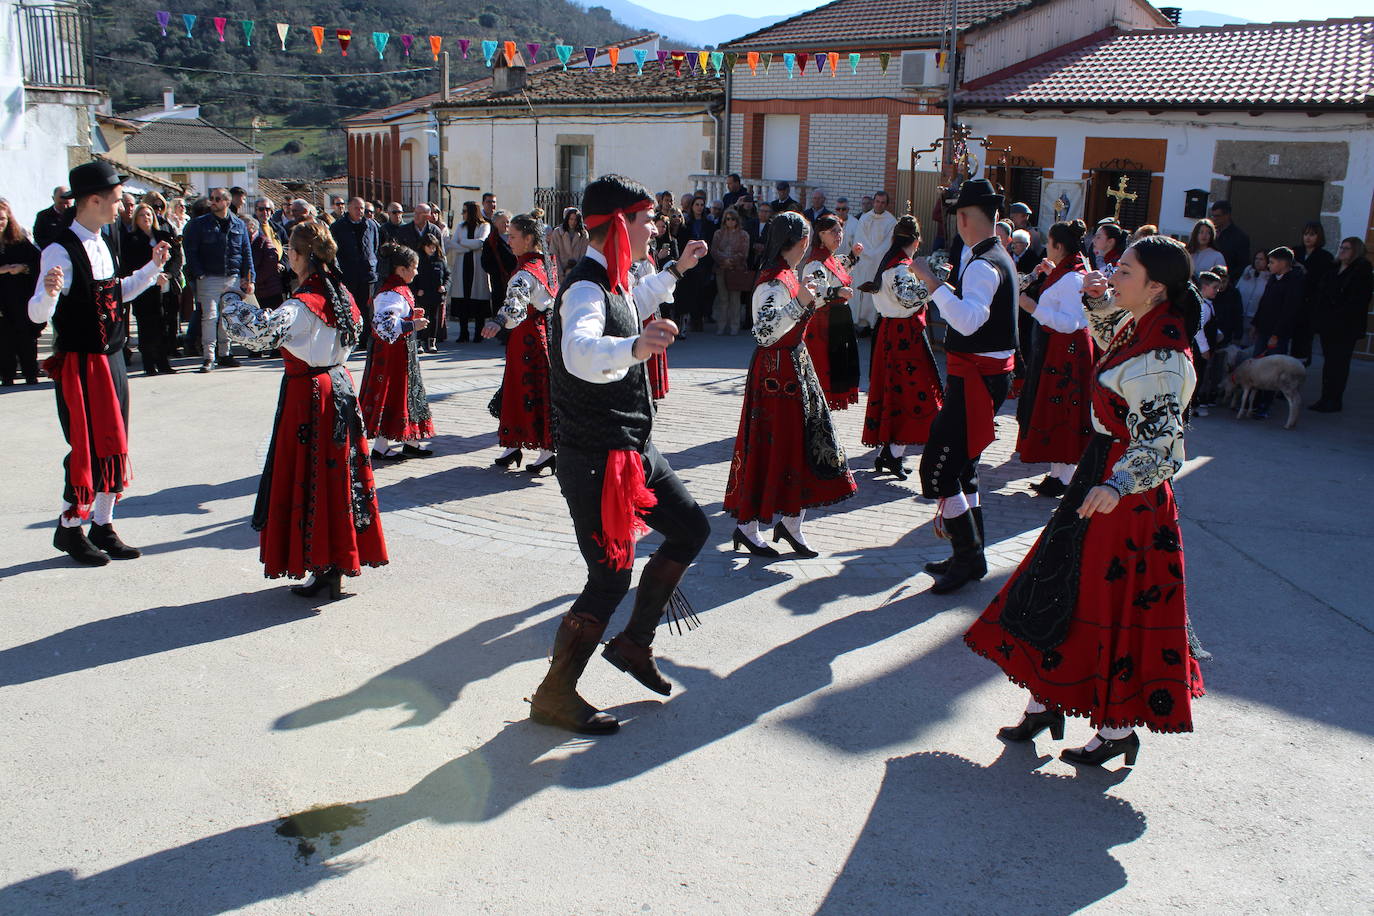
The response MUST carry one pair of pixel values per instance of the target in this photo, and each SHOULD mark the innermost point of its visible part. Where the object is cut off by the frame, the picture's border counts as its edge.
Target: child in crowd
(1230, 309)
(430, 287)
(392, 398)
(1209, 285)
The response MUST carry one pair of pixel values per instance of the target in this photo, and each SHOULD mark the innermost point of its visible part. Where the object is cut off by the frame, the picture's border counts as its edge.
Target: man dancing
(616, 484)
(88, 307)
(980, 346)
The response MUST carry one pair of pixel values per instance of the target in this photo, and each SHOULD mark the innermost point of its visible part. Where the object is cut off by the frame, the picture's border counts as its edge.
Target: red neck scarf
(901, 257)
(532, 263)
(827, 257)
(393, 282)
(617, 251)
(1073, 264)
(783, 274)
(312, 294)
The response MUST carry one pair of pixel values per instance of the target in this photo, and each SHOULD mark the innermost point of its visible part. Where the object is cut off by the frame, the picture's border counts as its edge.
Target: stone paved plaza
(182, 736)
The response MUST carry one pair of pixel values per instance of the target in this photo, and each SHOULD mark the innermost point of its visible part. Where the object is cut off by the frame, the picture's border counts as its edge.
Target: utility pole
(947, 159)
(443, 141)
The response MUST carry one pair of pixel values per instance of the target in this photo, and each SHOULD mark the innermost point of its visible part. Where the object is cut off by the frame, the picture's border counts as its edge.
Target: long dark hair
(1068, 235)
(1167, 262)
(907, 231)
(1116, 234)
(784, 230)
(472, 214)
(1316, 227)
(1193, 244)
(315, 242)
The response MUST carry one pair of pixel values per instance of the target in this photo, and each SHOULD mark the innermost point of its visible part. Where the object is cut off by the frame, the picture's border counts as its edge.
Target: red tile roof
(1326, 64)
(598, 86)
(858, 23)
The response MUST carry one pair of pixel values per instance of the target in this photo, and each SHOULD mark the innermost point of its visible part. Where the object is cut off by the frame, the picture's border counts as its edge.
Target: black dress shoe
(1129, 747)
(1052, 487)
(73, 541)
(780, 533)
(332, 580)
(104, 537)
(758, 550)
(549, 464)
(414, 451)
(888, 463)
(1032, 724)
(384, 456)
(514, 458)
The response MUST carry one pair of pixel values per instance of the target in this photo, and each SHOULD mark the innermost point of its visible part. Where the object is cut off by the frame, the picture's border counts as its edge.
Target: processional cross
(1121, 195)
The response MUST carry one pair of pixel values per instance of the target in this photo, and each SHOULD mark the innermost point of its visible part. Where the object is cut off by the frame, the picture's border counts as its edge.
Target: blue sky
(1257, 10)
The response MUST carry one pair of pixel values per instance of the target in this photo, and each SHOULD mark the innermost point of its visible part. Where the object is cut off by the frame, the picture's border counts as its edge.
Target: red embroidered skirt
(787, 457)
(1060, 422)
(525, 398)
(1121, 655)
(833, 325)
(904, 389)
(393, 399)
(317, 505)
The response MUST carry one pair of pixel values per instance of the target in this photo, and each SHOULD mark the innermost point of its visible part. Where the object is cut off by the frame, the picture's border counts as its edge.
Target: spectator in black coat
(1317, 263)
(734, 190)
(785, 202)
(498, 260)
(52, 220)
(19, 264)
(357, 239)
(1231, 240)
(697, 288)
(1280, 305)
(430, 287)
(1341, 319)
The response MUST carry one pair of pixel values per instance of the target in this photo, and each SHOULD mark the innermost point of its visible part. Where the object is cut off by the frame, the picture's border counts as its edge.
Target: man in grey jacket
(217, 259)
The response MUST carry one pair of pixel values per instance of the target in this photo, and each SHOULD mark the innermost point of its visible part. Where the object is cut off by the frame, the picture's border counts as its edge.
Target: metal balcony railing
(55, 45)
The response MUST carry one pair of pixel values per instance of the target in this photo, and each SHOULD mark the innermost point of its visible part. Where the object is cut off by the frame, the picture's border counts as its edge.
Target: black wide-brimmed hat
(979, 192)
(92, 178)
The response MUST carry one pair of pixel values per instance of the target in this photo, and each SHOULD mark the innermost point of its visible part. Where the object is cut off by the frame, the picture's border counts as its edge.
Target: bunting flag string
(705, 63)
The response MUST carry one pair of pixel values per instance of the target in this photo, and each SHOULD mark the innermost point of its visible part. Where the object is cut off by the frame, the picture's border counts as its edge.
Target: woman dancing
(830, 336)
(317, 505)
(525, 412)
(393, 400)
(787, 458)
(1054, 413)
(904, 387)
(1094, 622)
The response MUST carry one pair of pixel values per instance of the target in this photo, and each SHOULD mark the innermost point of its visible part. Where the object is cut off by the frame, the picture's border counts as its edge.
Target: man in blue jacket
(357, 238)
(217, 259)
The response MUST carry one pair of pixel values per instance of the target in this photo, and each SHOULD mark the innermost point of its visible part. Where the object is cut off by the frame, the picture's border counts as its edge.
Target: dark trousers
(171, 320)
(677, 517)
(466, 310)
(119, 373)
(18, 343)
(1337, 351)
(1264, 398)
(946, 466)
(362, 297)
(153, 345)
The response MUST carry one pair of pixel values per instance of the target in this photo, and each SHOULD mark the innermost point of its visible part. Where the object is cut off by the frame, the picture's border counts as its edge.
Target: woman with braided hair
(830, 336)
(317, 505)
(393, 400)
(526, 413)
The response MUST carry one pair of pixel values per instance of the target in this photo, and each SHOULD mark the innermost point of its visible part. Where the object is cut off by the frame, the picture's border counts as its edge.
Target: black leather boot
(104, 537)
(1109, 749)
(557, 702)
(631, 651)
(940, 567)
(73, 542)
(967, 564)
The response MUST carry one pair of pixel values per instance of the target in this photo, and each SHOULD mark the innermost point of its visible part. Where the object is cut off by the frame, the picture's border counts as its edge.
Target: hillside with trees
(298, 96)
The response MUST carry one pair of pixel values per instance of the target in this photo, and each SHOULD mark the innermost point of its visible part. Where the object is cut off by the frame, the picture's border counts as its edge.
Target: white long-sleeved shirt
(902, 294)
(966, 315)
(391, 314)
(42, 306)
(290, 326)
(588, 352)
(826, 282)
(523, 292)
(1061, 306)
(776, 311)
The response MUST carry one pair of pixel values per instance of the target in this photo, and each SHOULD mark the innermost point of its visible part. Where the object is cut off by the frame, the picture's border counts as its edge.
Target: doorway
(781, 141)
(1272, 211)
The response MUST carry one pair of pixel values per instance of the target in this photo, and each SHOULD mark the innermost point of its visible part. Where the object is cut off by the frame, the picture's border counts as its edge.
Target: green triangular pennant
(767, 61)
(884, 58)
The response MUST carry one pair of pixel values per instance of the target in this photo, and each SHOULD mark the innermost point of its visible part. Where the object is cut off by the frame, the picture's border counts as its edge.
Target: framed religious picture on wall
(1061, 200)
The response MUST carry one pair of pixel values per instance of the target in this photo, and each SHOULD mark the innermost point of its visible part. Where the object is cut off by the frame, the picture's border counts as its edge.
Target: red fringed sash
(96, 424)
(978, 407)
(624, 500)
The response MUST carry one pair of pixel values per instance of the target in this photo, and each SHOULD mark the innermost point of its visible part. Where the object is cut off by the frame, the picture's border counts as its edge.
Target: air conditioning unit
(919, 70)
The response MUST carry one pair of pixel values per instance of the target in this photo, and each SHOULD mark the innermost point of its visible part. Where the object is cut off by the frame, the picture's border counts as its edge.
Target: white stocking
(381, 445)
(972, 499)
(1107, 734)
(897, 450)
(102, 511)
(750, 530)
(71, 520)
(508, 452)
(1063, 472)
(793, 524)
(1034, 706)
(954, 506)
(544, 455)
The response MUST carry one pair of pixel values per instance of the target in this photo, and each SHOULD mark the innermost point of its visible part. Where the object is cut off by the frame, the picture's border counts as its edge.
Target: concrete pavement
(183, 736)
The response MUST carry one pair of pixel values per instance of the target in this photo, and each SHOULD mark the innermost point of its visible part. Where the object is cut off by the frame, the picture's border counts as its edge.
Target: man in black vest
(615, 482)
(88, 307)
(980, 347)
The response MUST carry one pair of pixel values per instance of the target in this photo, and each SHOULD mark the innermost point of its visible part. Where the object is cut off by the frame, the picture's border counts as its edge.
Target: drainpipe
(729, 87)
(714, 112)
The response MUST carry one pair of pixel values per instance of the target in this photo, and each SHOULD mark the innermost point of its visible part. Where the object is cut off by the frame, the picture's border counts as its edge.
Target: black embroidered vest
(591, 416)
(998, 333)
(90, 316)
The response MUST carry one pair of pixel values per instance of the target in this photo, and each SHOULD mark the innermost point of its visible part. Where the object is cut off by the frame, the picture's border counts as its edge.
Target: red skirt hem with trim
(525, 396)
(388, 391)
(904, 389)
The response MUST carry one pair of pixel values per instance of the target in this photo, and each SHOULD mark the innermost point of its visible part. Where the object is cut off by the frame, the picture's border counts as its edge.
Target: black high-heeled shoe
(1128, 747)
(1032, 724)
(515, 458)
(414, 451)
(780, 533)
(332, 580)
(888, 463)
(537, 470)
(758, 550)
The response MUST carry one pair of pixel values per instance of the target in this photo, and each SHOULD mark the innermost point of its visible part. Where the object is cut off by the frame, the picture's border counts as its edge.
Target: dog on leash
(1266, 373)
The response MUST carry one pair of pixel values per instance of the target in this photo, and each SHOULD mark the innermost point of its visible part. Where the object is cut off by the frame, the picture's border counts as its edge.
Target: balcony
(763, 189)
(55, 46)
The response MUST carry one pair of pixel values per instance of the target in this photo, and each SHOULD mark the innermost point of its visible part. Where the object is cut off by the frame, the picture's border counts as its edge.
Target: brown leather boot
(557, 702)
(630, 651)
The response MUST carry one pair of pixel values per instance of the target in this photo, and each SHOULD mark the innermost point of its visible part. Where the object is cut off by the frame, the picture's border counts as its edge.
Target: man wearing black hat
(980, 346)
(88, 307)
(785, 202)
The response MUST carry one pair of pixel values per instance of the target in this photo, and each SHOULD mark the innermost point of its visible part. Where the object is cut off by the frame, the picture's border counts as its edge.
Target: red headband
(617, 250)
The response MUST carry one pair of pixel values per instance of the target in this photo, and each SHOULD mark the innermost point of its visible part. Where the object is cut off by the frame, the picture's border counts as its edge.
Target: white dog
(1267, 373)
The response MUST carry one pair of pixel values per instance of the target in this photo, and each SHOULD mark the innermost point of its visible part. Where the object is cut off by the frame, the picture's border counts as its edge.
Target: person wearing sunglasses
(218, 258)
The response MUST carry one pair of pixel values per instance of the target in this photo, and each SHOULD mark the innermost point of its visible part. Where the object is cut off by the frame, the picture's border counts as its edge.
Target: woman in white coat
(469, 290)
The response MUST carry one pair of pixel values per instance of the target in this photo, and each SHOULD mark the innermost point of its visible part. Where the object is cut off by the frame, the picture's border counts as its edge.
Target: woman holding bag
(730, 248)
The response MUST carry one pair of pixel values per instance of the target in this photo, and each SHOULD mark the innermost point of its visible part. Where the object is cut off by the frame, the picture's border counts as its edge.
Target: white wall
(1048, 27)
(228, 170)
(499, 155)
(41, 163)
(1192, 145)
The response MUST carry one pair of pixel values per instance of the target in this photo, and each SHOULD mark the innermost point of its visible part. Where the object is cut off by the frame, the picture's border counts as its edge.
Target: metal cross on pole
(1121, 195)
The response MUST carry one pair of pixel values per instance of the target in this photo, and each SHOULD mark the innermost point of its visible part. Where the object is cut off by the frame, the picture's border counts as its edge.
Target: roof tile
(184, 135)
(862, 22)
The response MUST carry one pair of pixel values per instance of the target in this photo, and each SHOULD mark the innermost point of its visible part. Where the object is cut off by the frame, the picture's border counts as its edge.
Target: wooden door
(1272, 211)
